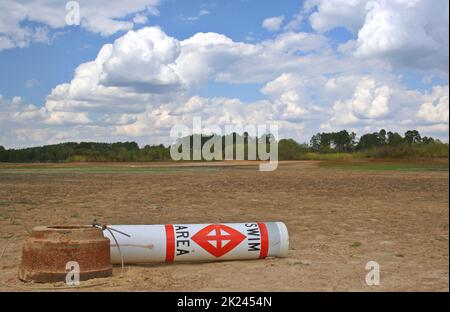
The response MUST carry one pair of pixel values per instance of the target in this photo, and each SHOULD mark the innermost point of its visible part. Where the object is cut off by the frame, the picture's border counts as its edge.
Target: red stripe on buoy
(264, 240)
(170, 243)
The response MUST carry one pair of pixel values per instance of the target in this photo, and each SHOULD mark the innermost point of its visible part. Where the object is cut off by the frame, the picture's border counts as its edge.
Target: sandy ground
(338, 220)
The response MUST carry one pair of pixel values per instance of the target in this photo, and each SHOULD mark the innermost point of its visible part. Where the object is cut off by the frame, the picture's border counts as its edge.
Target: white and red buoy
(198, 242)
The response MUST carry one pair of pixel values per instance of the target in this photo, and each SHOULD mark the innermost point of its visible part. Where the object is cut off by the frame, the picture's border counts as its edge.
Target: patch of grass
(334, 156)
(356, 244)
(4, 216)
(103, 169)
(387, 166)
(23, 202)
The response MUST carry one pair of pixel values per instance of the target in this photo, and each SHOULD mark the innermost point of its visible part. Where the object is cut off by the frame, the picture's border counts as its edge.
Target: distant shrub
(432, 150)
(289, 149)
(77, 158)
(335, 156)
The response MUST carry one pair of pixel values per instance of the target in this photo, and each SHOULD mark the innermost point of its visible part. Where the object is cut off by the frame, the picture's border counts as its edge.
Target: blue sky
(54, 63)
(309, 66)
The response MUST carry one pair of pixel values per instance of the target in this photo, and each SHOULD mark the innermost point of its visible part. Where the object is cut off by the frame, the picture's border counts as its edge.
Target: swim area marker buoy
(49, 249)
(197, 242)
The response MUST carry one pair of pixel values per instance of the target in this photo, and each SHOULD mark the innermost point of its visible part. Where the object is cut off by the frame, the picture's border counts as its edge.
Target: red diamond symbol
(218, 239)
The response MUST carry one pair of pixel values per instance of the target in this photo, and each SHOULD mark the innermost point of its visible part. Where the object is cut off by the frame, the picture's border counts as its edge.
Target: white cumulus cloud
(101, 16)
(435, 108)
(330, 14)
(273, 23)
(369, 100)
(412, 34)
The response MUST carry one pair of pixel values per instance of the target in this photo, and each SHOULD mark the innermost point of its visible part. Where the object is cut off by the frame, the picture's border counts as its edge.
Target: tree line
(86, 151)
(381, 144)
(344, 141)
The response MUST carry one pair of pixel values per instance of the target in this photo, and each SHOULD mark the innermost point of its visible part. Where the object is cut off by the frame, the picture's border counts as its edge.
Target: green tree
(370, 140)
(289, 149)
(2, 154)
(428, 140)
(412, 137)
(342, 141)
(394, 139)
(382, 136)
(315, 142)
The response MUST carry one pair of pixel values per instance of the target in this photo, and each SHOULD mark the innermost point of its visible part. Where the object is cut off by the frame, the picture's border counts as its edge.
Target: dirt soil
(338, 220)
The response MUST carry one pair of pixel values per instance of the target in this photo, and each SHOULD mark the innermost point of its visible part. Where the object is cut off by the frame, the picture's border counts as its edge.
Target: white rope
(110, 230)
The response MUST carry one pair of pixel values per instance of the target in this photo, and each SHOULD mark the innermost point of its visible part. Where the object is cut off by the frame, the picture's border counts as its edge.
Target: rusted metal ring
(49, 248)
